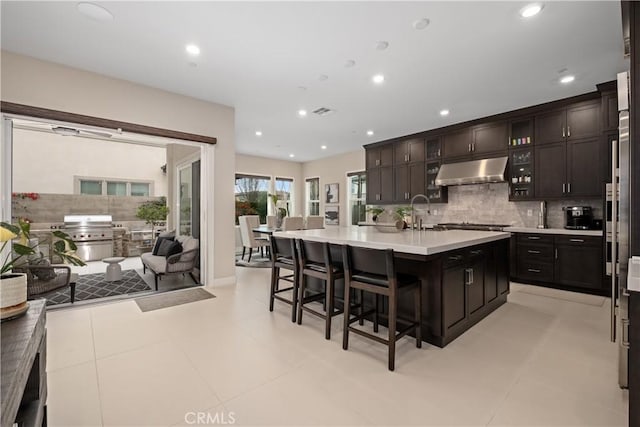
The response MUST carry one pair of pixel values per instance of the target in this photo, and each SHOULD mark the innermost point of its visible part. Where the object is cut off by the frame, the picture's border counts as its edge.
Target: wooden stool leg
(303, 281)
(375, 314)
(330, 288)
(392, 330)
(275, 275)
(418, 308)
(294, 297)
(347, 313)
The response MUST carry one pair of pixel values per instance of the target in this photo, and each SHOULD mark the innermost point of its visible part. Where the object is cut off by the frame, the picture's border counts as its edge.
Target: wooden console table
(23, 381)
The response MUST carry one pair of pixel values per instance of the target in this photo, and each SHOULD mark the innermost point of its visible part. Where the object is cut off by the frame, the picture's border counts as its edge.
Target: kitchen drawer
(535, 238)
(454, 259)
(579, 240)
(535, 252)
(532, 270)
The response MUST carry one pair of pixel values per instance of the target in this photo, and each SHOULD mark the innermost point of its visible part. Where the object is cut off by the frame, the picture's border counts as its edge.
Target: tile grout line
(95, 361)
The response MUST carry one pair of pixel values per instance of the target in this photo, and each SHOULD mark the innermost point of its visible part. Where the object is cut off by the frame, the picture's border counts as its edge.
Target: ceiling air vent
(323, 111)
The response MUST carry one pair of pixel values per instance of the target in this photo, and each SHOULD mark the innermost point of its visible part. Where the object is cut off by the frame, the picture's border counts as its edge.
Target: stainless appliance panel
(95, 250)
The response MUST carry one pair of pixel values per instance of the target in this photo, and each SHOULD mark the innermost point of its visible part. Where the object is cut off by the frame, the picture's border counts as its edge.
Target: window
(313, 196)
(90, 187)
(357, 195)
(284, 191)
(251, 196)
(112, 187)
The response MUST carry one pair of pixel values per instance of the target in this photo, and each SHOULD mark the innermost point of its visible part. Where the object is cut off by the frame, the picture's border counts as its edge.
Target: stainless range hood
(472, 172)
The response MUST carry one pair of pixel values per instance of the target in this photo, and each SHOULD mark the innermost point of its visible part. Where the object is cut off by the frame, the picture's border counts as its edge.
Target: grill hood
(472, 172)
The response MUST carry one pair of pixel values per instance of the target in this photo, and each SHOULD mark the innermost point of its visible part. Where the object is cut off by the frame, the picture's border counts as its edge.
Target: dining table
(265, 229)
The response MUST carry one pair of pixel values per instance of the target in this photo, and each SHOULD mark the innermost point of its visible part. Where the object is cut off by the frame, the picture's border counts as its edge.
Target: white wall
(334, 169)
(64, 157)
(275, 168)
(44, 84)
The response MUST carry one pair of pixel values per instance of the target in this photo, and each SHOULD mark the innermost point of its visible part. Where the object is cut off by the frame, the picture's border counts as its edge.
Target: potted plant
(153, 212)
(13, 286)
(402, 212)
(375, 211)
(279, 211)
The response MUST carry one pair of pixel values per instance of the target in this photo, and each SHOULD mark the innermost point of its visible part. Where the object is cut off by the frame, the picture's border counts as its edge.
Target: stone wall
(489, 204)
(51, 208)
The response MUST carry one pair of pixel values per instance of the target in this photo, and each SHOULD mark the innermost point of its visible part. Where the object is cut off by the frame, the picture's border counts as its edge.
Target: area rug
(171, 299)
(256, 261)
(92, 286)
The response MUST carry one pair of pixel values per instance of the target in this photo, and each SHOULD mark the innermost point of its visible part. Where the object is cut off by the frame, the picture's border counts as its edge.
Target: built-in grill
(93, 234)
(469, 226)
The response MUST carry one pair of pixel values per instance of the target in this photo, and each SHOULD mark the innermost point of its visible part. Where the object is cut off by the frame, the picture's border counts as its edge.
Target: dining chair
(249, 238)
(314, 222)
(292, 223)
(271, 221)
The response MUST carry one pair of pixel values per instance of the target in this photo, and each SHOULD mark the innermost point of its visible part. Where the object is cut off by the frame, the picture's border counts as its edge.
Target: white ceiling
(475, 59)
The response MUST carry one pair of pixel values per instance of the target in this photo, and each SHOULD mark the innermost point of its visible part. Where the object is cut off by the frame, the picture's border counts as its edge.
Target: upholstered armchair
(42, 279)
(183, 262)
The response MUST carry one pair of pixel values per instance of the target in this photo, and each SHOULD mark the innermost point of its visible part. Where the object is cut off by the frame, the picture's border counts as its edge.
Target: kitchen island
(464, 273)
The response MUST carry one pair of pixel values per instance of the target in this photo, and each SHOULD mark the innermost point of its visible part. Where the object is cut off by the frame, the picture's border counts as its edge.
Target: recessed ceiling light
(421, 24)
(192, 49)
(567, 79)
(370, 133)
(349, 63)
(291, 155)
(95, 12)
(531, 10)
(323, 77)
(444, 112)
(378, 78)
(302, 113)
(324, 147)
(382, 45)
(258, 133)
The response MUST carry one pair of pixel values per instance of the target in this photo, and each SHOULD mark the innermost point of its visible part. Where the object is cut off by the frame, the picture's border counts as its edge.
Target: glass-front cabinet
(521, 174)
(435, 193)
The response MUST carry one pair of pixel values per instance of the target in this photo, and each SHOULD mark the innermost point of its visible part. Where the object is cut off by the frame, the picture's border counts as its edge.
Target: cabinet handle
(568, 130)
(468, 276)
(406, 157)
(563, 135)
(533, 238)
(533, 270)
(533, 252)
(455, 258)
(556, 253)
(477, 252)
(473, 147)
(472, 276)
(577, 240)
(569, 188)
(563, 187)
(377, 162)
(469, 148)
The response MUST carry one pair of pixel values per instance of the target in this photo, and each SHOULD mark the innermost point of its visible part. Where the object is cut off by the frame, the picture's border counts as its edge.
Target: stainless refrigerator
(617, 231)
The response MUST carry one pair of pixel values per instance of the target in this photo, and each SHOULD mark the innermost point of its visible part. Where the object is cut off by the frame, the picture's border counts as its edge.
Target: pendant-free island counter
(464, 273)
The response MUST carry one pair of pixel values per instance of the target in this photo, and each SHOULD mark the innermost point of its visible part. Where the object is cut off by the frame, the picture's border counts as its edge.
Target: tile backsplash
(489, 204)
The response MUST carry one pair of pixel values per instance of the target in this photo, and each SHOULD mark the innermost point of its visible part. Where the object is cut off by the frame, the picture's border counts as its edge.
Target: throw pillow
(175, 248)
(44, 274)
(164, 247)
(159, 241)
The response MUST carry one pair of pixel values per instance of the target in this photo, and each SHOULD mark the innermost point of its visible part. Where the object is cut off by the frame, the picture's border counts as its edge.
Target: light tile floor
(542, 359)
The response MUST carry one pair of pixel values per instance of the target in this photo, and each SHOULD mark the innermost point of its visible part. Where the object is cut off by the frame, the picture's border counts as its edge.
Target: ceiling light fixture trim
(94, 12)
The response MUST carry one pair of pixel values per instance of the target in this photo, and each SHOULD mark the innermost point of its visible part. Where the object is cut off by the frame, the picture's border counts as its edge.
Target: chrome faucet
(413, 215)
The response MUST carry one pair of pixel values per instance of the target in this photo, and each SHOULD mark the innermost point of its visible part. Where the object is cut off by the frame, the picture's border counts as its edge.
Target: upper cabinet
(490, 138)
(457, 144)
(409, 151)
(609, 107)
(577, 121)
(380, 156)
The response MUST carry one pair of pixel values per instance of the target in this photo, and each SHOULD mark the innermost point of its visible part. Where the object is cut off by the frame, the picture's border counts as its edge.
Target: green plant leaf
(12, 228)
(22, 249)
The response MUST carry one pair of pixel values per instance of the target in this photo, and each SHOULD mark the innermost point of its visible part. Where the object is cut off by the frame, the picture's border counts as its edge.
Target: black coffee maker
(578, 217)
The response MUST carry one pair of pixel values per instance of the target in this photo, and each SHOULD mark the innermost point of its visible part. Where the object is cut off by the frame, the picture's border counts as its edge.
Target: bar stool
(373, 270)
(316, 261)
(283, 255)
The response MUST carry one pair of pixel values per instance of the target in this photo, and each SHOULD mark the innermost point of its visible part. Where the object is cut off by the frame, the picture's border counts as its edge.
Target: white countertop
(597, 233)
(425, 242)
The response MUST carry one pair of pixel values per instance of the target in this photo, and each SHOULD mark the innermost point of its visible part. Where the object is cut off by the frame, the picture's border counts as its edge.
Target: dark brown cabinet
(571, 169)
(550, 170)
(570, 261)
(457, 144)
(412, 150)
(409, 180)
(435, 193)
(609, 114)
(380, 156)
(463, 287)
(581, 120)
(578, 262)
(521, 168)
(380, 185)
(490, 138)
(521, 132)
